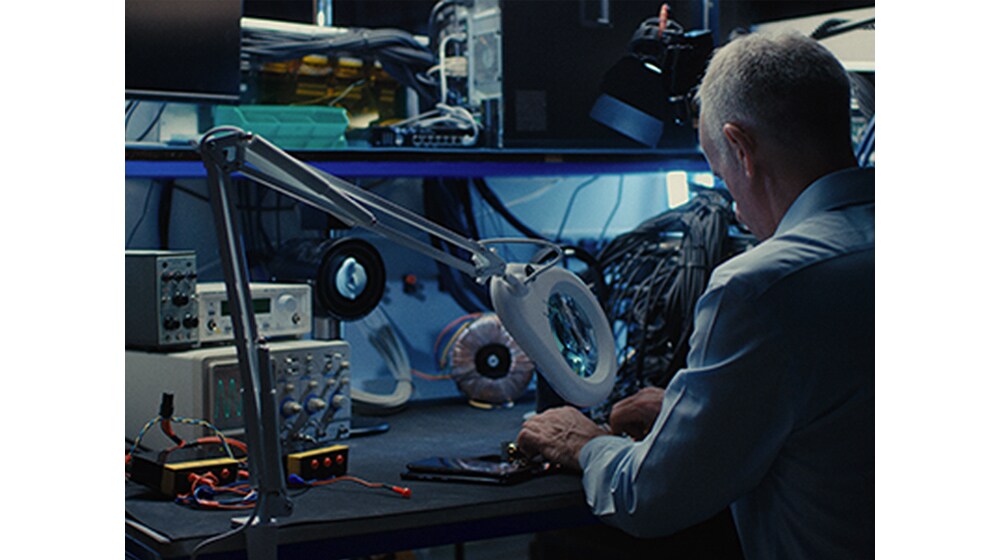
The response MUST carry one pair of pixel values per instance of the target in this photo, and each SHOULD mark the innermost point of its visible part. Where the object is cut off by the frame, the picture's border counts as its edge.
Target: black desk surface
(344, 518)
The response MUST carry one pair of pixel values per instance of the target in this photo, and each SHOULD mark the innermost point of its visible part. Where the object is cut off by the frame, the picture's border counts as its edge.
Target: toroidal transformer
(486, 364)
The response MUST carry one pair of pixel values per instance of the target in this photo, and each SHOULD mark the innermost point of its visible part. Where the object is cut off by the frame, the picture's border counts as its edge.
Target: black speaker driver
(347, 274)
(351, 279)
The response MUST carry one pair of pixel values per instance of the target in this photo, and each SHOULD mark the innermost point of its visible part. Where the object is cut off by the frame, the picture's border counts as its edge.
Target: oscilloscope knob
(315, 404)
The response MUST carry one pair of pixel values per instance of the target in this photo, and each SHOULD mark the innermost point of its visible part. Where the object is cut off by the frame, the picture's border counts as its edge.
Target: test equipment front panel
(312, 379)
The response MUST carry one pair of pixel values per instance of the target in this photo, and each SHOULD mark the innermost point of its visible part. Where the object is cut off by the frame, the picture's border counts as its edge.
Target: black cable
(592, 276)
(614, 209)
(655, 275)
(152, 123)
(192, 193)
(494, 202)
(142, 217)
(443, 207)
(129, 111)
(834, 27)
(163, 213)
(277, 219)
(437, 13)
(200, 547)
(400, 54)
(259, 214)
(569, 206)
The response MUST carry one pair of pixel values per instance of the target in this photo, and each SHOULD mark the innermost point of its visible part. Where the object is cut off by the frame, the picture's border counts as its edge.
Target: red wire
(210, 480)
(450, 326)
(401, 490)
(168, 429)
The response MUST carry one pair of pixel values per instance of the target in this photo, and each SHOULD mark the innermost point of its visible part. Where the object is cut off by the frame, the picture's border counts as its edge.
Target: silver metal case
(281, 310)
(484, 52)
(161, 305)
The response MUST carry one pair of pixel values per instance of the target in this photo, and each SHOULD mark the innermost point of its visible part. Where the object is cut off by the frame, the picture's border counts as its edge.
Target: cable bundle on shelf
(401, 55)
(655, 275)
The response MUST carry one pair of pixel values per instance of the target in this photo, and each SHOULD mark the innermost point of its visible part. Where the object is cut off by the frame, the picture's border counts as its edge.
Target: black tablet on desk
(485, 469)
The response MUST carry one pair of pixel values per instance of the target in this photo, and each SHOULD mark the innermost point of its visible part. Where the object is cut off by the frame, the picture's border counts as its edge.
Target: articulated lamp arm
(548, 310)
(232, 150)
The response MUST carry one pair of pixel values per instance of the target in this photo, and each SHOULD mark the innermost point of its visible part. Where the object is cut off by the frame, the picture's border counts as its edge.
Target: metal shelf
(155, 161)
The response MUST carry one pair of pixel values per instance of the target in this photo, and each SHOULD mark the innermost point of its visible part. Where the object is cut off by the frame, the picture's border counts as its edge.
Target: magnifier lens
(574, 334)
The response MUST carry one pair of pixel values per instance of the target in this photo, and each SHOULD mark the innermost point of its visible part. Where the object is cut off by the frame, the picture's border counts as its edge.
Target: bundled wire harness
(383, 337)
(201, 484)
(655, 275)
(425, 69)
(400, 53)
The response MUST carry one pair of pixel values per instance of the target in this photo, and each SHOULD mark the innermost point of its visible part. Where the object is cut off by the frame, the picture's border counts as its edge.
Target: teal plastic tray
(289, 126)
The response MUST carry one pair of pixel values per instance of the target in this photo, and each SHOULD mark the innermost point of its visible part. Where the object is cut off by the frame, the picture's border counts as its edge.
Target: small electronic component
(325, 462)
(485, 362)
(281, 311)
(421, 137)
(173, 474)
(161, 304)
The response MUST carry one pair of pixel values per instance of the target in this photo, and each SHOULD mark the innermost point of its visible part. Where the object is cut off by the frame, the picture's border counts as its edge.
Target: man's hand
(636, 414)
(558, 434)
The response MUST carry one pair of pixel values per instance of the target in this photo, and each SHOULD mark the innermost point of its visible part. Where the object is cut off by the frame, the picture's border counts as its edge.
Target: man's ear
(743, 145)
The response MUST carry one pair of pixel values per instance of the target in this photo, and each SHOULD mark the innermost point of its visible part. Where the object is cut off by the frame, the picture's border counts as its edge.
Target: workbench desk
(345, 519)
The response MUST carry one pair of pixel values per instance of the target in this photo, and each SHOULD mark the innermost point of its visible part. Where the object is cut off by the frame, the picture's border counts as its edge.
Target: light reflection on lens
(573, 333)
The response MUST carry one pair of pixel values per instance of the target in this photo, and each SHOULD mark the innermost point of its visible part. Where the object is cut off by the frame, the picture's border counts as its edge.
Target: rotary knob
(288, 303)
(315, 404)
(290, 408)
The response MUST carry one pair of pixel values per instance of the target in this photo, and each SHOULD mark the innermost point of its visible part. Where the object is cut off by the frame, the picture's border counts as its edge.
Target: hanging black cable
(142, 217)
(163, 213)
(655, 275)
(494, 202)
(443, 206)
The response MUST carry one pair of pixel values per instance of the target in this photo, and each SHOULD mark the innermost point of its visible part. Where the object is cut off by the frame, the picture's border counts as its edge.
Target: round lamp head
(559, 324)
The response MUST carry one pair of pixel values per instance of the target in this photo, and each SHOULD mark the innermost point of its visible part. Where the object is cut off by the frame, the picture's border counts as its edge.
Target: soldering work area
(496, 278)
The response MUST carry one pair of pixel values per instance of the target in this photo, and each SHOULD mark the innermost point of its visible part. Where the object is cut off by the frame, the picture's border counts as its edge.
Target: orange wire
(430, 377)
(401, 490)
(452, 324)
(451, 341)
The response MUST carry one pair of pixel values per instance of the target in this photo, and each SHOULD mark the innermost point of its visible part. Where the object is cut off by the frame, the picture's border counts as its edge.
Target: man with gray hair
(774, 415)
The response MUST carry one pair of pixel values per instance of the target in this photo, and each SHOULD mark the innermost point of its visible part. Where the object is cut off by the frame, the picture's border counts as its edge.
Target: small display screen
(260, 305)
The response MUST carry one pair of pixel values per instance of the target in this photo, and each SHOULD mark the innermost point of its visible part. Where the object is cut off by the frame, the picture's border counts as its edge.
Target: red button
(340, 459)
(314, 464)
(327, 462)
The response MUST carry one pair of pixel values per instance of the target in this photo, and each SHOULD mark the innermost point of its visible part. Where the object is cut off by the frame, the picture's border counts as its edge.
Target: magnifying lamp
(548, 310)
